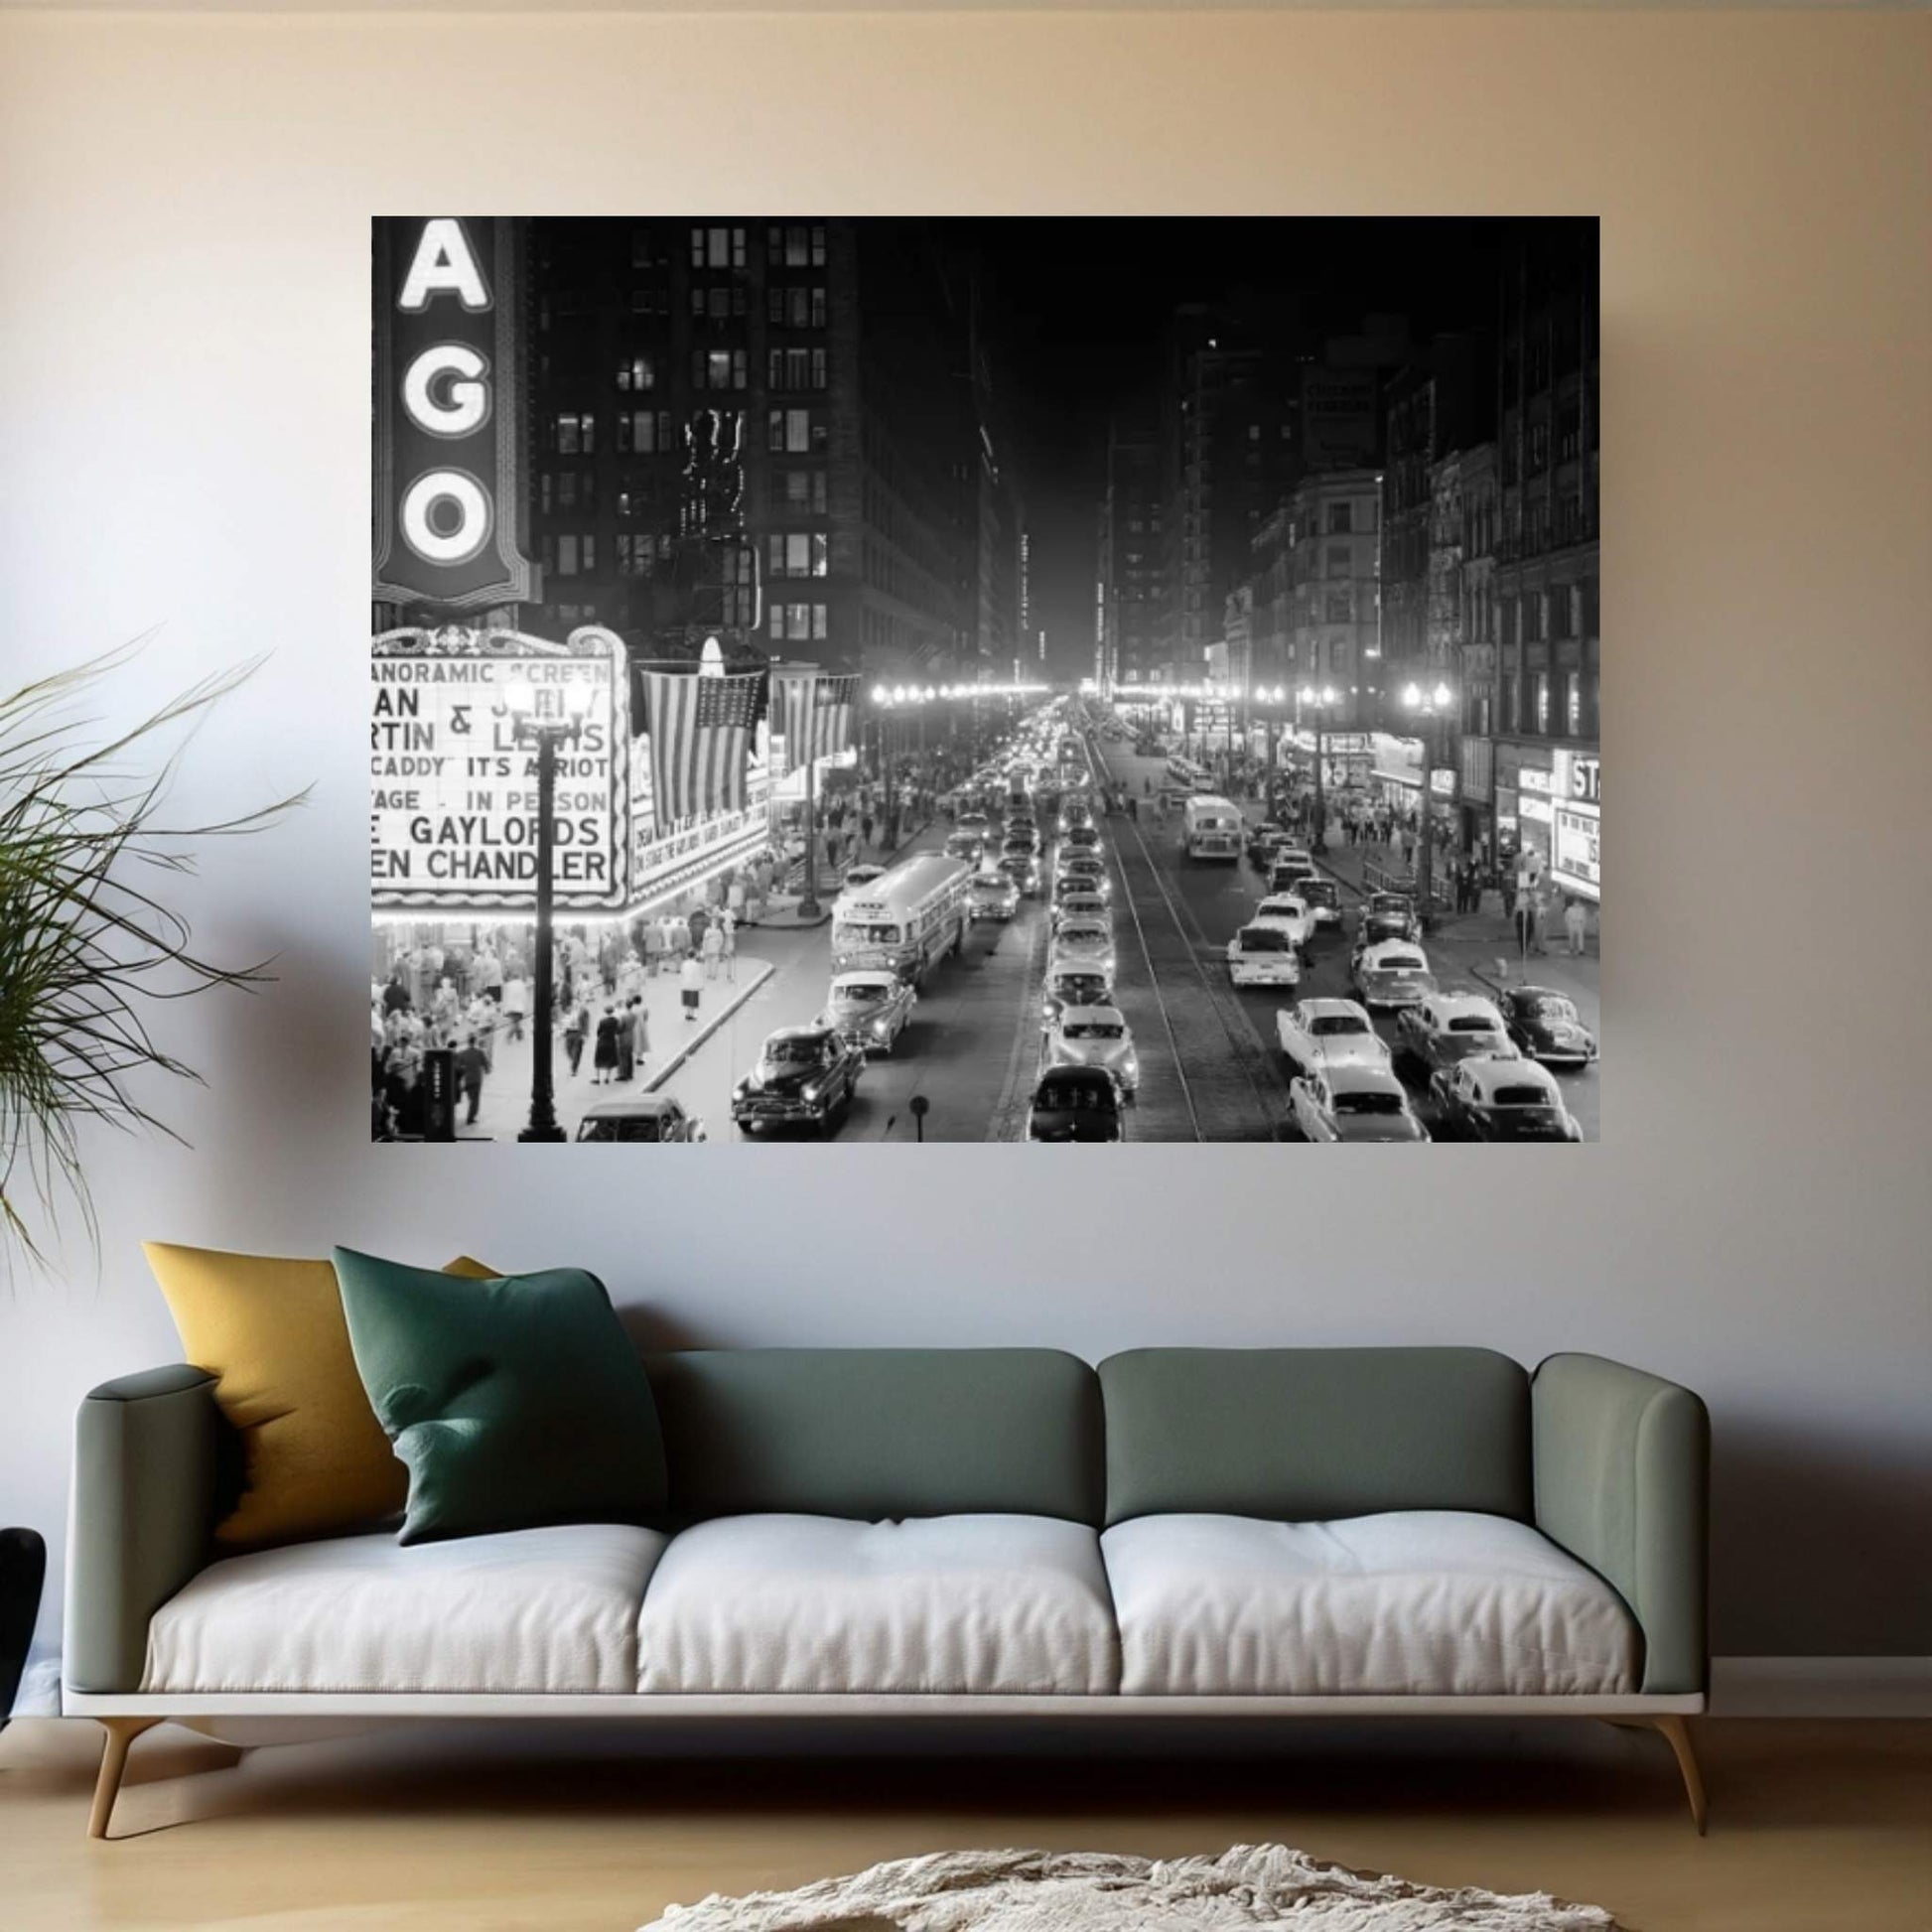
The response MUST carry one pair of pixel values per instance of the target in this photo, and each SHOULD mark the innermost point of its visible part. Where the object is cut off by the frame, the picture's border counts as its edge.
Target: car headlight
(810, 1093)
(879, 1027)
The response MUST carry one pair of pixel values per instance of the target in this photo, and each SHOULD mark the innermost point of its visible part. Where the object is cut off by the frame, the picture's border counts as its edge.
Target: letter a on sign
(444, 264)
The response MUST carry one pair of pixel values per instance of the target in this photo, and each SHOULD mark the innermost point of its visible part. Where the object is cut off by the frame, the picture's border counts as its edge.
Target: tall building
(1548, 753)
(1477, 677)
(767, 432)
(1334, 558)
(1133, 641)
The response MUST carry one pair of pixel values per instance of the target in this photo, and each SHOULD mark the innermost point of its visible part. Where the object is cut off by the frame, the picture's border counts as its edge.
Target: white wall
(184, 408)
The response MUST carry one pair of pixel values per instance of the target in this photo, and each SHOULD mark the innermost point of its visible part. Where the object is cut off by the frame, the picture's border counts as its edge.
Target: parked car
(1446, 1028)
(1263, 955)
(1391, 973)
(1094, 1037)
(1353, 1103)
(1287, 912)
(1502, 1101)
(1387, 915)
(804, 1075)
(640, 1117)
(1545, 1025)
(991, 895)
(1318, 1033)
(870, 1008)
(1077, 1103)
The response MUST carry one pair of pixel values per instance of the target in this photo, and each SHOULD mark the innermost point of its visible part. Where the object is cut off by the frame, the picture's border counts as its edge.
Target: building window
(801, 491)
(1574, 706)
(1513, 706)
(634, 555)
(1340, 561)
(1542, 687)
(643, 252)
(644, 432)
(717, 248)
(798, 554)
(1340, 518)
(796, 305)
(576, 490)
(795, 368)
(797, 244)
(795, 432)
(651, 300)
(574, 435)
(1339, 608)
(566, 564)
(637, 373)
(799, 624)
(718, 368)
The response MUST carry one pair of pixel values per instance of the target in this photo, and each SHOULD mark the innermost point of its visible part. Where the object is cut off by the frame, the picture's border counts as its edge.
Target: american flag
(814, 712)
(700, 738)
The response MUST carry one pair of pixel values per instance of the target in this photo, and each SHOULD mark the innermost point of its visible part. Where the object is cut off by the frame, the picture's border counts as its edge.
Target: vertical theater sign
(454, 806)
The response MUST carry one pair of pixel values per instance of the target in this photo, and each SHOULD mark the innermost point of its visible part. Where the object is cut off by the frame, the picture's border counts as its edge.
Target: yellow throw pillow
(272, 1333)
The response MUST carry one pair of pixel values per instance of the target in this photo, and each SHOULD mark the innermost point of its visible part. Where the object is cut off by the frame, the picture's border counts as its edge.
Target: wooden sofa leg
(1679, 1735)
(121, 1733)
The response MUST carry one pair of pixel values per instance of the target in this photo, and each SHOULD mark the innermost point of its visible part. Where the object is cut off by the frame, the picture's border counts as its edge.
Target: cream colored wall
(184, 406)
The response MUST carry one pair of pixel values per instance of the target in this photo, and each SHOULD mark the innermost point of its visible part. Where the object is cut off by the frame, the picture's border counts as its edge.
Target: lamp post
(1319, 702)
(1430, 706)
(533, 721)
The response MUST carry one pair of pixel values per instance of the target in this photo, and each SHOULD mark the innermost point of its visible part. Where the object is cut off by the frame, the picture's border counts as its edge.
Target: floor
(486, 1828)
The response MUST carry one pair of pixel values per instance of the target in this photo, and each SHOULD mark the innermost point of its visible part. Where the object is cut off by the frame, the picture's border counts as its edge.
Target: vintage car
(1074, 811)
(870, 1008)
(1290, 913)
(1094, 1037)
(1077, 1103)
(1021, 841)
(1353, 1103)
(1264, 841)
(1323, 898)
(804, 1076)
(1387, 915)
(1087, 866)
(1074, 982)
(644, 1117)
(991, 895)
(1316, 1033)
(975, 822)
(968, 846)
(1501, 1100)
(1391, 973)
(1082, 838)
(856, 876)
(1088, 941)
(1288, 866)
(1076, 903)
(1448, 1027)
(1024, 869)
(1263, 955)
(1545, 1025)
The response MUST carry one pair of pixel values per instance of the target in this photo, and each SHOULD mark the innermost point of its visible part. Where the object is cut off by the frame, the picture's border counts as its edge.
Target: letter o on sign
(446, 516)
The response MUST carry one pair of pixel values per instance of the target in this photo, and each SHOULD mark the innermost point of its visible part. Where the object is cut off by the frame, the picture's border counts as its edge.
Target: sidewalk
(505, 1107)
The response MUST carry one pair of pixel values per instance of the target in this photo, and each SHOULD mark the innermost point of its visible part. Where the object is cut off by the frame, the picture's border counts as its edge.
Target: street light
(1431, 707)
(1321, 702)
(534, 720)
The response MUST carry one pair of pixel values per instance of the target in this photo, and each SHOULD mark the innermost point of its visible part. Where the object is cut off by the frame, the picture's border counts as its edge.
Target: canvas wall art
(1039, 680)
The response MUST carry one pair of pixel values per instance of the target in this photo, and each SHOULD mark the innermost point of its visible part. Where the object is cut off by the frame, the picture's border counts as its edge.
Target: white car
(1289, 914)
(1094, 1037)
(1263, 955)
(1074, 904)
(1084, 942)
(1353, 1103)
(1391, 973)
(1319, 1034)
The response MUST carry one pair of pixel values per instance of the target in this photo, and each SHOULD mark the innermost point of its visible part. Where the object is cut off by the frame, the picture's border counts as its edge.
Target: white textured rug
(1090, 1891)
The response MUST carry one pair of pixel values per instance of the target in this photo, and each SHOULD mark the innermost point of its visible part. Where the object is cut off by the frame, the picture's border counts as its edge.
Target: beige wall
(184, 408)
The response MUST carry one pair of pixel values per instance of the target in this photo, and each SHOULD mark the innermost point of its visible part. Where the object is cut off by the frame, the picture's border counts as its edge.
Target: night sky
(1076, 313)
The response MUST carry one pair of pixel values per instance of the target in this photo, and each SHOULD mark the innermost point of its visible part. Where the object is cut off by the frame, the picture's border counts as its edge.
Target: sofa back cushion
(875, 1432)
(1308, 1435)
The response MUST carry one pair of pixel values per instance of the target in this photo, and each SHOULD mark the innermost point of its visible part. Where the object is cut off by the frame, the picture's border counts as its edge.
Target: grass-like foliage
(87, 946)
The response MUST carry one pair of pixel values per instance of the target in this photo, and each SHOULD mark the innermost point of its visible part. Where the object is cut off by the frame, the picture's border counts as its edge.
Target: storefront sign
(449, 457)
(1533, 807)
(454, 795)
(1579, 777)
(1575, 860)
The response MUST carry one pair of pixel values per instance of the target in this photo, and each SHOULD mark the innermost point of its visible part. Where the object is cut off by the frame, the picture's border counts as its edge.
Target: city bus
(1211, 828)
(904, 920)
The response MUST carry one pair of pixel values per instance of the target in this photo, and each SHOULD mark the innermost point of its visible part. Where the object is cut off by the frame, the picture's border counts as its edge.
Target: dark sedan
(1388, 915)
(1546, 1026)
(1077, 1103)
(804, 1076)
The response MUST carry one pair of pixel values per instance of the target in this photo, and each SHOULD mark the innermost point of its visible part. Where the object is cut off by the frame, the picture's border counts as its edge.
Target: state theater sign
(449, 484)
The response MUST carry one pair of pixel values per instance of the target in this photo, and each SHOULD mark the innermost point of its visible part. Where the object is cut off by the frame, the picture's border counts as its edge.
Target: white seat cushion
(543, 1610)
(1414, 1602)
(818, 1603)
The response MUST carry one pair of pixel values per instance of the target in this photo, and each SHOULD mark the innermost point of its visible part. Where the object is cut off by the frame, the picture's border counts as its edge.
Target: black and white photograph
(966, 679)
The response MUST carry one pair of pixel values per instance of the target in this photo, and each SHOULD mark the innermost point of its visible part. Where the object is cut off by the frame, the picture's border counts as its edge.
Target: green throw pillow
(512, 1401)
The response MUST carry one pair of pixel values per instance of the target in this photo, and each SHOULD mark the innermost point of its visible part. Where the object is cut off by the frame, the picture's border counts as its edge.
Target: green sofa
(978, 1533)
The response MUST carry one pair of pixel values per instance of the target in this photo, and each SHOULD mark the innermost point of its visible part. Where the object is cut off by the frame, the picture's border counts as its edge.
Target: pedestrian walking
(654, 947)
(575, 1035)
(865, 828)
(1524, 919)
(700, 924)
(516, 1003)
(627, 1048)
(470, 1077)
(728, 948)
(1576, 924)
(639, 1034)
(603, 1059)
(1539, 921)
(691, 987)
(713, 950)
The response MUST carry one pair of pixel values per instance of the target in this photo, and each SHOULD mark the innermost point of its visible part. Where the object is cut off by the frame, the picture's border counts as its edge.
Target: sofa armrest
(1622, 1478)
(147, 1467)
